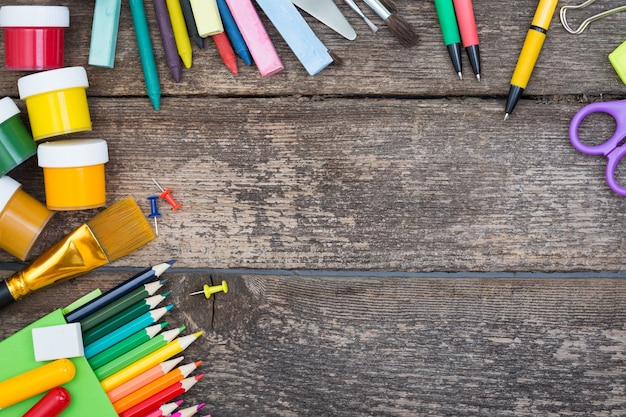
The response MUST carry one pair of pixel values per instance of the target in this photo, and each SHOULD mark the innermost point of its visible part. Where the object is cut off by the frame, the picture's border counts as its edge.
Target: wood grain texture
(346, 346)
(387, 164)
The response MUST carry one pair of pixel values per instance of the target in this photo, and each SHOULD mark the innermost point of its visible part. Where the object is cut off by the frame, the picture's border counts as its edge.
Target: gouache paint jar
(16, 142)
(34, 36)
(56, 101)
(22, 218)
(73, 173)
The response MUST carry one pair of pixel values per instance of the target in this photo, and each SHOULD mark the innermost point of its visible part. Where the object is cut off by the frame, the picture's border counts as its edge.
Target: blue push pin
(155, 211)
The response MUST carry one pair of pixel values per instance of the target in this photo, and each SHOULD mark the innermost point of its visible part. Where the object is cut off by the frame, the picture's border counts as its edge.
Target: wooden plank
(282, 184)
(374, 64)
(345, 346)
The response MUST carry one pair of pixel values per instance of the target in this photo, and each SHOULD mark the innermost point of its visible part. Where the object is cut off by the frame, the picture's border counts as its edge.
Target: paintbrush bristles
(401, 29)
(336, 58)
(121, 229)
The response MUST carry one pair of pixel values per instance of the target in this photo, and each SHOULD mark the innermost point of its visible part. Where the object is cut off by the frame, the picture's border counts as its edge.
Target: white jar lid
(52, 80)
(72, 153)
(8, 109)
(8, 187)
(34, 16)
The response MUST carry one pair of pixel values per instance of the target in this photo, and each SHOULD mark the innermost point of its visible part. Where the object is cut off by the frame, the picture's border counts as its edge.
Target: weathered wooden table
(392, 246)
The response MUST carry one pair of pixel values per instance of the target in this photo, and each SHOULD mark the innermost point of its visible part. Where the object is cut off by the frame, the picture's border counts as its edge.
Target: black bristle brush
(399, 27)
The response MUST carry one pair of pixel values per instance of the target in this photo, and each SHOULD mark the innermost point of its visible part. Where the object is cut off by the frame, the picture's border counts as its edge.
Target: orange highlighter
(35, 381)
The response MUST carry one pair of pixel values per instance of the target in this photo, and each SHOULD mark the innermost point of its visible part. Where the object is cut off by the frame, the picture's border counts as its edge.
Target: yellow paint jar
(56, 101)
(73, 173)
(22, 218)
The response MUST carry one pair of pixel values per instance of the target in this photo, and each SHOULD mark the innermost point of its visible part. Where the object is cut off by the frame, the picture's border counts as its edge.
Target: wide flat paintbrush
(111, 234)
(399, 27)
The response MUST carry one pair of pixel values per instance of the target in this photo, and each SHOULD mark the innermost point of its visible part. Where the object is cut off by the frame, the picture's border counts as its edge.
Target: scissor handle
(615, 109)
(611, 165)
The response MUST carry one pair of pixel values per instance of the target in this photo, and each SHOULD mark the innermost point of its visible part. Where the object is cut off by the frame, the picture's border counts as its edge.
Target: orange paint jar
(22, 218)
(73, 172)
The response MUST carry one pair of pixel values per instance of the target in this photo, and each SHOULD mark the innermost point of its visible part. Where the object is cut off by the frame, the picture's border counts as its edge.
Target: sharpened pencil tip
(171, 262)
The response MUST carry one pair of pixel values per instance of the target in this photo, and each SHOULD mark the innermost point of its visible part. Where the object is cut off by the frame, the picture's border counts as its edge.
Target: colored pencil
(167, 394)
(181, 36)
(233, 32)
(164, 410)
(174, 347)
(122, 303)
(143, 379)
(125, 345)
(146, 319)
(122, 318)
(141, 278)
(155, 386)
(226, 51)
(188, 412)
(137, 353)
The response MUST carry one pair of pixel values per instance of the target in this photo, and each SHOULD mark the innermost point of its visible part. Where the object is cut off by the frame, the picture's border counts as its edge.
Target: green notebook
(17, 356)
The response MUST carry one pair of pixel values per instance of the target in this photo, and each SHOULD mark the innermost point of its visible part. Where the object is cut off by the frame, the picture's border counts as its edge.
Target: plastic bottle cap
(52, 80)
(34, 16)
(72, 153)
(8, 187)
(8, 109)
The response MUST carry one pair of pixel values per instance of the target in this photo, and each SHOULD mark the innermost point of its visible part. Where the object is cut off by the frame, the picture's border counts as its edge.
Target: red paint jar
(34, 36)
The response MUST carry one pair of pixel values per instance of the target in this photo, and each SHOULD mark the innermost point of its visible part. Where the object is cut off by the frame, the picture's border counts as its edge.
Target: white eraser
(56, 342)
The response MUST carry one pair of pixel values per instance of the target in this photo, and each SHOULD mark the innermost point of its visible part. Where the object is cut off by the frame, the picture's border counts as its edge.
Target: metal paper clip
(587, 21)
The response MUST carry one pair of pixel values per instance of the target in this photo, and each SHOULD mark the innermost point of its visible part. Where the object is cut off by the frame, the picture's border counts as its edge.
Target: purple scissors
(610, 148)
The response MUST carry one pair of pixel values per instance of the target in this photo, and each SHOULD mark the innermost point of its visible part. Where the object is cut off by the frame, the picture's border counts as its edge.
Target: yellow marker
(530, 52)
(209, 290)
(36, 381)
(207, 17)
(181, 36)
(126, 374)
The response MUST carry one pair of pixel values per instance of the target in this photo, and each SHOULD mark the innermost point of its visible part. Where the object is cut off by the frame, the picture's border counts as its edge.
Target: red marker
(51, 404)
(159, 398)
(469, 34)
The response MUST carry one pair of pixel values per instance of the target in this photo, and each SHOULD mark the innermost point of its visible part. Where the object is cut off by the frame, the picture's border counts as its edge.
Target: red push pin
(167, 196)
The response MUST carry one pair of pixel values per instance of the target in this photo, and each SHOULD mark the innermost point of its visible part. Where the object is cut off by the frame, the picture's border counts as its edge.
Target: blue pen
(233, 33)
(141, 322)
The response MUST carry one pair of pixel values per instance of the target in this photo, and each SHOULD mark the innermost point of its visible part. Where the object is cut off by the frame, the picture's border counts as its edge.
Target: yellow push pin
(209, 290)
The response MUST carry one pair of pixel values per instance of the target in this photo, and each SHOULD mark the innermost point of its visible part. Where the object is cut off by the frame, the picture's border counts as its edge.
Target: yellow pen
(181, 36)
(126, 374)
(35, 381)
(207, 17)
(530, 52)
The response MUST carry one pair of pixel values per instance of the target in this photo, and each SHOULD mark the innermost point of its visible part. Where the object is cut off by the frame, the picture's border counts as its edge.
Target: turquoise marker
(141, 322)
(106, 18)
(233, 32)
(151, 76)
